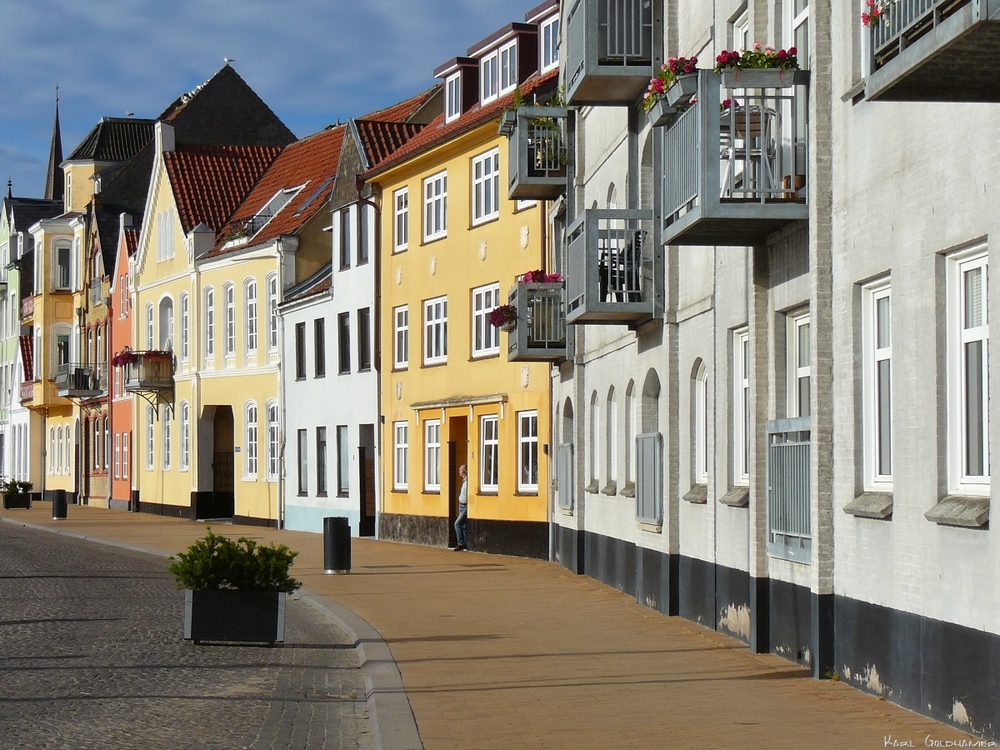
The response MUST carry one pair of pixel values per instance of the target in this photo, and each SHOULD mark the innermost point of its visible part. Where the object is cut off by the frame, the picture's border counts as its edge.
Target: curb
(392, 723)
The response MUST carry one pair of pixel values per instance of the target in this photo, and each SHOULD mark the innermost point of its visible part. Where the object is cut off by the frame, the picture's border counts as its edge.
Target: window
(508, 67)
(167, 437)
(799, 369)
(300, 351)
(319, 347)
(401, 225)
(229, 292)
(527, 454)
(630, 433)
(401, 345)
(185, 333)
(436, 331)
(185, 425)
(303, 444)
(125, 458)
(150, 418)
(741, 407)
(95, 449)
(699, 437)
(250, 435)
(364, 235)
(489, 450)
(345, 238)
(272, 313)
(250, 324)
(595, 442)
(209, 323)
(343, 461)
(612, 438)
(118, 455)
(52, 450)
(106, 447)
(344, 342)
(436, 206)
(321, 484)
(364, 340)
(550, 44)
(877, 381)
(453, 97)
(166, 316)
(968, 374)
(68, 467)
(273, 441)
(489, 78)
(400, 451)
(164, 235)
(432, 455)
(485, 336)
(64, 256)
(486, 187)
(149, 326)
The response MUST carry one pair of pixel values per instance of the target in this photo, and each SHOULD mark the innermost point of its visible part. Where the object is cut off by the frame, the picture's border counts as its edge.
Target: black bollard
(336, 545)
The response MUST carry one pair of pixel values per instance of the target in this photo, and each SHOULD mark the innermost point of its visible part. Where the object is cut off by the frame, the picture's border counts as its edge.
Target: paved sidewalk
(501, 652)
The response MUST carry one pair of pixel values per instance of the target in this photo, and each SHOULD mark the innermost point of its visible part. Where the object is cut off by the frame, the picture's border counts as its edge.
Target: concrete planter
(236, 616)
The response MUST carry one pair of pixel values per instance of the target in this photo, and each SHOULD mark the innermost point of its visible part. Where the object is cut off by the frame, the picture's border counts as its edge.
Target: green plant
(664, 79)
(15, 487)
(217, 562)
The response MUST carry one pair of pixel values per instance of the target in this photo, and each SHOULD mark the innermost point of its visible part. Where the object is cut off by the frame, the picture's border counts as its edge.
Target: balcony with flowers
(82, 380)
(735, 151)
(537, 151)
(534, 318)
(146, 371)
(608, 51)
(932, 50)
(611, 260)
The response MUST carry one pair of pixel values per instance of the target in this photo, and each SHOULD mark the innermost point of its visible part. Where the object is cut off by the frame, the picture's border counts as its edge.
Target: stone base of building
(516, 538)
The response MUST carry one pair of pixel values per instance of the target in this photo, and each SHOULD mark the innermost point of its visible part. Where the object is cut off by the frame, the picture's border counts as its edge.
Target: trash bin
(59, 504)
(336, 545)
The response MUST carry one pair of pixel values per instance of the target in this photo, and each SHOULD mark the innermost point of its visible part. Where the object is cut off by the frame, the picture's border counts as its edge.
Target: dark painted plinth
(430, 530)
(517, 538)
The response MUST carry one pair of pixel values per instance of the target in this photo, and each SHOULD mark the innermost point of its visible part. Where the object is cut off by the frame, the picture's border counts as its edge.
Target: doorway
(223, 504)
(366, 476)
(458, 454)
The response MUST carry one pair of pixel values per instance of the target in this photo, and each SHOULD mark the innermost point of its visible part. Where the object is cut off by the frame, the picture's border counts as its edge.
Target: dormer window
(508, 67)
(489, 78)
(453, 97)
(249, 227)
(549, 31)
(498, 72)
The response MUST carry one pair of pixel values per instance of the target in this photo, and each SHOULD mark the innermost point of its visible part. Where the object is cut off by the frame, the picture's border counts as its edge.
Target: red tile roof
(209, 182)
(438, 131)
(309, 164)
(131, 235)
(381, 139)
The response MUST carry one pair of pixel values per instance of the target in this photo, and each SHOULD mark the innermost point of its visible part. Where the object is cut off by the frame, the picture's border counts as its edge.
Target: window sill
(611, 488)
(485, 220)
(400, 490)
(737, 497)
(592, 487)
(698, 494)
(652, 528)
(364, 369)
(434, 364)
(319, 375)
(485, 355)
(961, 510)
(426, 491)
(341, 494)
(877, 505)
(400, 368)
(628, 490)
(526, 493)
(343, 372)
(435, 238)
(488, 493)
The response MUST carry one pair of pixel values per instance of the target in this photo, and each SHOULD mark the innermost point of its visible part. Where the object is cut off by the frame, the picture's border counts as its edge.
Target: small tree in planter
(234, 590)
(15, 494)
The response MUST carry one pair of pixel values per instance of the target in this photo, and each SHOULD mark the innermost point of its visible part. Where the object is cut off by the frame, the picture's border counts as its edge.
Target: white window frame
(167, 447)
(209, 323)
(612, 437)
(401, 220)
(962, 334)
(150, 340)
(432, 455)
(272, 313)
(489, 77)
(251, 434)
(699, 437)
(435, 191)
(485, 336)
(61, 281)
(184, 418)
(548, 36)
(877, 354)
(401, 337)
(250, 311)
(185, 328)
(150, 438)
(527, 443)
(453, 97)
(799, 367)
(229, 300)
(489, 453)
(118, 455)
(595, 440)
(106, 446)
(125, 457)
(273, 441)
(741, 407)
(435, 331)
(508, 67)
(400, 454)
(486, 187)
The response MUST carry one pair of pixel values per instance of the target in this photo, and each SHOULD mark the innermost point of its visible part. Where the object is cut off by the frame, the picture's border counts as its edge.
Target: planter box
(20, 500)
(763, 78)
(661, 113)
(240, 616)
(682, 89)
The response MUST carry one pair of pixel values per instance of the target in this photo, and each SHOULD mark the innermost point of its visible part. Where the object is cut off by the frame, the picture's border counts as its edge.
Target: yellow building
(452, 247)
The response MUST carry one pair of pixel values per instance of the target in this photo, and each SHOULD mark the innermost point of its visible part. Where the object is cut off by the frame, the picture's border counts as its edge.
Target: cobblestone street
(92, 656)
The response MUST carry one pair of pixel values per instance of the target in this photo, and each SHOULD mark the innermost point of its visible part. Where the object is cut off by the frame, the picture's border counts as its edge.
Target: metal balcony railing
(789, 515)
(81, 380)
(610, 261)
(537, 153)
(150, 371)
(733, 174)
(540, 331)
(608, 51)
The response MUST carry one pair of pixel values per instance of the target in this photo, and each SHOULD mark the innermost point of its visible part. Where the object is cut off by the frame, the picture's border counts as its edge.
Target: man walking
(462, 522)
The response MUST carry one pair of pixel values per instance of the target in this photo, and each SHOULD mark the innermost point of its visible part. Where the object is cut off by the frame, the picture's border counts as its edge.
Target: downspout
(376, 334)
(280, 246)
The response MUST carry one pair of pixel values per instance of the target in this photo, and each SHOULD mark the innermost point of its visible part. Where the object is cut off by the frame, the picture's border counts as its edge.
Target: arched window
(595, 442)
(250, 440)
(106, 449)
(185, 328)
(150, 418)
(94, 449)
(209, 323)
(630, 432)
(167, 451)
(53, 466)
(166, 316)
(229, 295)
(272, 313)
(149, 326)
(250, 324)
(185, 428)
(612, 439)
(273, 444)
(699, 423)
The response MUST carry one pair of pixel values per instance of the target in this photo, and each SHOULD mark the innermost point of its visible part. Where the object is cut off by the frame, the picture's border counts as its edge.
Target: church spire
(54, 182)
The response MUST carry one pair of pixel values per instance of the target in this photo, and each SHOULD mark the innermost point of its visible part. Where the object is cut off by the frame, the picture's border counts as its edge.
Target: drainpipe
(280, 246)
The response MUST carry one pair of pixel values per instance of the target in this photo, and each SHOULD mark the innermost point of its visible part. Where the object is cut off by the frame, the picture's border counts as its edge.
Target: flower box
(682, 89)
(660, 113)
(234, 616)
(21, 500)
(763, 78)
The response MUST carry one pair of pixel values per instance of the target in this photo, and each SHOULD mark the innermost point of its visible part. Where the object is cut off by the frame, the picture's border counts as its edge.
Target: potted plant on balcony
(877, 10)
(671, 89)
(15, 494)
(504, 317)
(758, 67)
(234, 590)
(125, 357)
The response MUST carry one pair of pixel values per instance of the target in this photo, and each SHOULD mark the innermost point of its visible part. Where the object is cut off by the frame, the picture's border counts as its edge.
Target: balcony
(609, 51)
(149, 371)
(27, 308)
(734, 175)
(610, 262)
(83, 381)
(935, 51)
(537, 153)
(540, 331)
(27, 392)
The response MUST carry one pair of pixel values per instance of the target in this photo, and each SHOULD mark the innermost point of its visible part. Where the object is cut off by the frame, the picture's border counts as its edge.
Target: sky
(314, 62)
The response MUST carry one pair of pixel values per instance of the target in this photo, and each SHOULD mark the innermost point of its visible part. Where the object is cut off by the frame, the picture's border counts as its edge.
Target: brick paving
(93, 656)
(501, 652)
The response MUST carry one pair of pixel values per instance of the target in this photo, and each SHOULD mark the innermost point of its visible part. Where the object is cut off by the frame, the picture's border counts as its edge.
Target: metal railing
(540, 331)
(608, 37)
(82, 378)
(152, 370)
(789, 516)
(649, 478)
(624, 30)
(538, 153)
(904, 22)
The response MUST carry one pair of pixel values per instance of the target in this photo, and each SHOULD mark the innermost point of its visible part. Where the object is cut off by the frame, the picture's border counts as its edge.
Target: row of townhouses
(725, 349)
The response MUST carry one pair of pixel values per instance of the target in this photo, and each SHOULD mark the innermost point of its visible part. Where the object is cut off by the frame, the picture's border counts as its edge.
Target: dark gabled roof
(209, 182)
(107, 219)
(438, 131)
(23, 212)
(114, 139)
(55, 185)
(319, 282)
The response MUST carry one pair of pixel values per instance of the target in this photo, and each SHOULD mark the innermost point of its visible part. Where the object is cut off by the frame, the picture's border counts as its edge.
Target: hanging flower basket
(504, 317)
(124, 357)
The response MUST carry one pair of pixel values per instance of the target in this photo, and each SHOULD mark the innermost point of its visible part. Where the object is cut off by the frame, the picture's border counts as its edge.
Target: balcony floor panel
(725, 231)
(949, 64)
(610, 86)
(526, 191)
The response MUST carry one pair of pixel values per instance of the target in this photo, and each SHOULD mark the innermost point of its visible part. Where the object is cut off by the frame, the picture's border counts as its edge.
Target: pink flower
(689, 68)
(792, 51)
(782, 54)
(757, 46)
